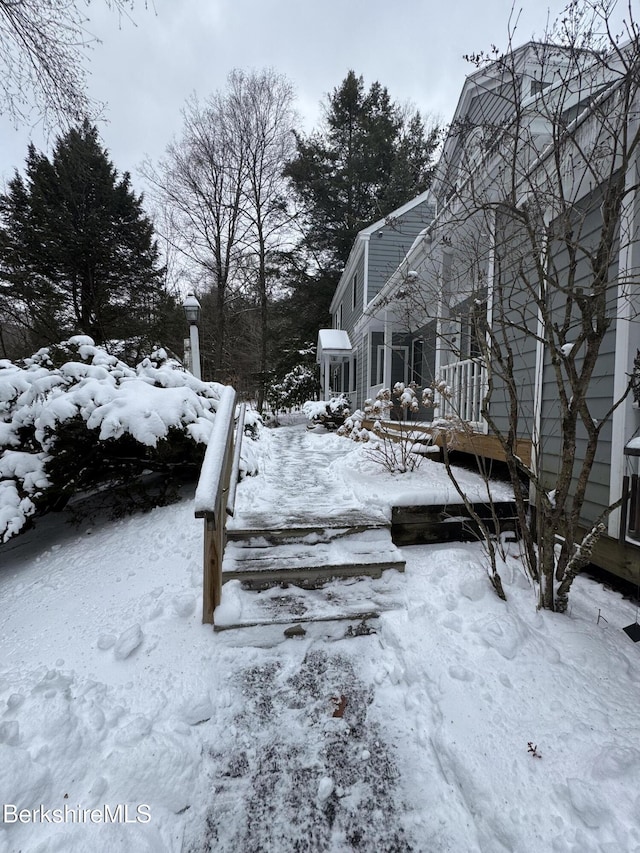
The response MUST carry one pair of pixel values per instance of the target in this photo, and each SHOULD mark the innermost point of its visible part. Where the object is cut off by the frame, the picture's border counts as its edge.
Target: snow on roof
(333, 341)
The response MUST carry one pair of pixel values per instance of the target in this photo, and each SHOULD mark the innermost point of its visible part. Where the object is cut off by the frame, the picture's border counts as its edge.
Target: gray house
(382, 351)
(532, 254)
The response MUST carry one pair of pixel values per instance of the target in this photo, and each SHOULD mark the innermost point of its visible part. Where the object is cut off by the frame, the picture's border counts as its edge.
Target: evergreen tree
(369, 158)
(77, 252)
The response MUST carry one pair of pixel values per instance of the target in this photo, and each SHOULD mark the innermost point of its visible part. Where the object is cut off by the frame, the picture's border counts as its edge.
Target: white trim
(412, 363)
(399, 211)
(538, 380)
(362, 238)
(368, 344)
(379, 376)
(388, 343)
(491, 271)
(629, 260)
(384, 357)
(365, 276)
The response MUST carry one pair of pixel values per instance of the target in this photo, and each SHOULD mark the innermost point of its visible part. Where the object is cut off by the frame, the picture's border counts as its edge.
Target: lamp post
(192, 313)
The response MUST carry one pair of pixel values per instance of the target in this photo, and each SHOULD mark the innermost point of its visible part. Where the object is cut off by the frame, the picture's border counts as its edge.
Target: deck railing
(466, 383)
(215, 495)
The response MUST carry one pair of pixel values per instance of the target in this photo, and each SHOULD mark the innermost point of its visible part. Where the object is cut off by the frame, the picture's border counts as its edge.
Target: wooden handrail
(211, 499)
(235, 467)
(219, 446)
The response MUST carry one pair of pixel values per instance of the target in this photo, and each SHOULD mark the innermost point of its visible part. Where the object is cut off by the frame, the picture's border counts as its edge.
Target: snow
(468, 723)
(319, 409)
(333, 340)
(108, 395)
(212, 466)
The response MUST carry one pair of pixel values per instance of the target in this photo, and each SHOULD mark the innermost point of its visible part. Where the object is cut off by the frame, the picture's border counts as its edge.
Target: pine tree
(369, 158)
(77, 252)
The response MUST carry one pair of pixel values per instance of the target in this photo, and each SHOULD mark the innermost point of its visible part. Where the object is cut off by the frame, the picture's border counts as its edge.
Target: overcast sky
(145, 68)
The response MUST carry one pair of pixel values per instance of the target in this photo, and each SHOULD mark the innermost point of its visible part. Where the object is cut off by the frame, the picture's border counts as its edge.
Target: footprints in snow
(183, 605)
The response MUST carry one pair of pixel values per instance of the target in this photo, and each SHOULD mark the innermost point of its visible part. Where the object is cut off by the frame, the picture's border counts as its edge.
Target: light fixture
(192, 313)
(191, 309)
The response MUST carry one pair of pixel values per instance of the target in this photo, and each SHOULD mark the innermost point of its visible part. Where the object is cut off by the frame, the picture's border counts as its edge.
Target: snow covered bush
(396, 445)
(299, 385)
(353, 427)
(330, 413)
(74, 418)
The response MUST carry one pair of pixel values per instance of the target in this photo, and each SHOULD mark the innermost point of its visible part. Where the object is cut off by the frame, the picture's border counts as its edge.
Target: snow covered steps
(294, 525)
(309, 552)
(360, 601)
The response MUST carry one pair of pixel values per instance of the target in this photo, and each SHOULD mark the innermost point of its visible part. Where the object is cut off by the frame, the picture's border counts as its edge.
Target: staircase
(285, 574)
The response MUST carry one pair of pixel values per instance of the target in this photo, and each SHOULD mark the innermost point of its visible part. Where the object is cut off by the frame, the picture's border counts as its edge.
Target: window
(354, 290)
(338, 317)
(417, 347)
(472, 324)
(379, 365)
(354, 367)
(399, 365)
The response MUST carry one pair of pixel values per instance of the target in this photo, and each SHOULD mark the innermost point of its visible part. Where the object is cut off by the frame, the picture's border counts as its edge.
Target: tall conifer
(77, 252)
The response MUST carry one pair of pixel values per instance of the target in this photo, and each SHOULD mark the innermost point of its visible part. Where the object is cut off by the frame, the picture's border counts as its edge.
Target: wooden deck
(467, 441)
(424, 525)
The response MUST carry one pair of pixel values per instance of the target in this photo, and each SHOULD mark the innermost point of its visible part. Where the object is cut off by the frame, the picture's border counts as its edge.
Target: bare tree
(200, 185)
(43, 50)
(221, 184)
(533, 267)
(261, 110)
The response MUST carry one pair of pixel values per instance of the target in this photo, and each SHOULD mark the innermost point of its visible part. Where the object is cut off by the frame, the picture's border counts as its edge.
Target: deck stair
(308, 551)
(309, 571)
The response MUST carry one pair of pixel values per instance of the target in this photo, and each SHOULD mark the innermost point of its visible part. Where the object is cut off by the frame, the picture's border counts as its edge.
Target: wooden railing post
(211, 500)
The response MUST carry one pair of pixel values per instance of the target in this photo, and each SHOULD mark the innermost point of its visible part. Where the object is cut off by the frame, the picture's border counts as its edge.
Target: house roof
(364, 235)
(333, 342)
(523, 60)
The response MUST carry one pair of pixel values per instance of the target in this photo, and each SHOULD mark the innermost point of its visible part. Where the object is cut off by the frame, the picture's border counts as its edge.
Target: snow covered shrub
(330, 413)
(353, 427)
(299, 385)
(399, 447)
(74, 418)
(253, 423)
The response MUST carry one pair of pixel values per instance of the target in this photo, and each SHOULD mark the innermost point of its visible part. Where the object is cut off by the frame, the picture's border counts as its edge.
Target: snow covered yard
(462, 723)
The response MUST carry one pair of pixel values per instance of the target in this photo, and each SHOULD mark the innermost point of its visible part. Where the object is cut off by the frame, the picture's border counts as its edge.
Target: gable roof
(333, 342)
(364, 235)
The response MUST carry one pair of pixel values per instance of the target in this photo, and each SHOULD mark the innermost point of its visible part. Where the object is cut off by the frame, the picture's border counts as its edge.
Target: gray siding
(389, 245)
(350, 313)
(376, 340)
(600, 390)
(513, 309)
